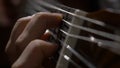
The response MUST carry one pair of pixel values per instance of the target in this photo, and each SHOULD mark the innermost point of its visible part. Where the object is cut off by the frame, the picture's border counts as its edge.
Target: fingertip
(49, 19)
(58, 15)
(46, 35)
(58, 18)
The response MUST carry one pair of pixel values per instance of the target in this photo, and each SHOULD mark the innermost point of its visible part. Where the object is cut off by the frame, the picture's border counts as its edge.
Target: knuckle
(20, 20)
(41, 15)
(35, 44)
(23, 19)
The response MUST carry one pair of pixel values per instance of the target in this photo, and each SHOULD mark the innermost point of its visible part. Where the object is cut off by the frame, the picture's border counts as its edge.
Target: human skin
(25, 48)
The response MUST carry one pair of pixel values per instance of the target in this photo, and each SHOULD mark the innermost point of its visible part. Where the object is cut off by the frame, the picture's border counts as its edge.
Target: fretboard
(84, 40)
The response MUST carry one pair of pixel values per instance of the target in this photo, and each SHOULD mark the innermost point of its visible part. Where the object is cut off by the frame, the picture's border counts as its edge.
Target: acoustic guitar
(85, 39)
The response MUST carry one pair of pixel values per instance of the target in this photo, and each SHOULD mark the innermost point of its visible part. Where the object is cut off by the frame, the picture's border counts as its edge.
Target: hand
(24, 48)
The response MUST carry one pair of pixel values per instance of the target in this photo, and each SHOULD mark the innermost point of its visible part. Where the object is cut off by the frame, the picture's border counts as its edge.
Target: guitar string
(56, 38)
(109, 43)
(70, 60)
(112, 46)
(104, 34)
(72, 50)
(59, 9)
(97, 22)
(75, 52)
(36, 7)
(101, 43)
(65, 56)
(80, 57)
(89, 64)
(97, 32)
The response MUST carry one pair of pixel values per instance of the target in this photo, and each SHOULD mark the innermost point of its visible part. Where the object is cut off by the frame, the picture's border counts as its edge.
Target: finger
(17, 30)
(19, 27)
(37, 26)
(34, 54)
(46, 36)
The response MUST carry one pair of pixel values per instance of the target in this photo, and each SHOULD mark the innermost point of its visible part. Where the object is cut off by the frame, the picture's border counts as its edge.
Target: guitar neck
(85, 40)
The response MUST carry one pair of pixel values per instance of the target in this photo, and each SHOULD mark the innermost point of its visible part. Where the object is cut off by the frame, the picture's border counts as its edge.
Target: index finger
(37, 26)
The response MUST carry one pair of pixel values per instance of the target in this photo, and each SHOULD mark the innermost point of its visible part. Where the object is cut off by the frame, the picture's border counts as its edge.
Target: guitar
(86, 40)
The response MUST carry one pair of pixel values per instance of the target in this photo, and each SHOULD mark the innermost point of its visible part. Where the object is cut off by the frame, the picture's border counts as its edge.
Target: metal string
(104, 34)
(97, 22)
(115, 47)
(101, 33)
(80, 57)
(67, 12)
(70, 60)
(112, 46)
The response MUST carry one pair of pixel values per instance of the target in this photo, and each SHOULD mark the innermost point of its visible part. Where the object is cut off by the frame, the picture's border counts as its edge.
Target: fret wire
(70, 60)
(112, 46)
(101, 33)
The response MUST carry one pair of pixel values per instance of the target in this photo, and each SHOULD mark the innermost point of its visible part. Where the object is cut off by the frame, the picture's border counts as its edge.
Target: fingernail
(58, 14)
